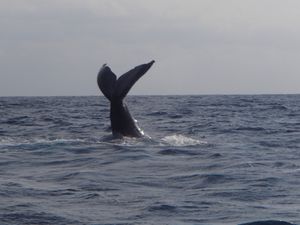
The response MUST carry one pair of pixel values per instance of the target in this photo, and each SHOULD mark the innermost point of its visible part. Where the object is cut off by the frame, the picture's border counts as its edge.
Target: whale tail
(117, 89)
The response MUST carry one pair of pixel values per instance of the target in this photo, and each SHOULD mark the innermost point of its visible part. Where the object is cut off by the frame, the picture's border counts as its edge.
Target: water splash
(181, 140)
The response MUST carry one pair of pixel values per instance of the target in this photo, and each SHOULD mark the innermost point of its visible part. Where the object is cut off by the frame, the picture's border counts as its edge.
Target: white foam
(58, 140)
(181, 140)
(6, 142)
(17, 141)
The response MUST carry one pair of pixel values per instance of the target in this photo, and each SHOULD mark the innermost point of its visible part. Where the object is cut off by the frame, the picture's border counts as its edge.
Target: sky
(56, 47)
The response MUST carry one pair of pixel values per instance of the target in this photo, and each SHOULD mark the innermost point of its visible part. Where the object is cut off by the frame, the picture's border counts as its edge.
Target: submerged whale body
(115, 90)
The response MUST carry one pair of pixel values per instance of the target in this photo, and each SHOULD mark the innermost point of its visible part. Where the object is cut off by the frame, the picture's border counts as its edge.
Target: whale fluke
(116, 90)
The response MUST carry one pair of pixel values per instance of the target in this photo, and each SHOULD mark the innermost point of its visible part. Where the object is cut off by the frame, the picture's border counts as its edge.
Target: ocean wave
(157, 113)
(7, 141)
(33, 217)
(162, 207)
(173, 152)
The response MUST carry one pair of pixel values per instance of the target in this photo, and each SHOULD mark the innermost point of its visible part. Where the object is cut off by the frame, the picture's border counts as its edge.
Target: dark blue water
(212, 160)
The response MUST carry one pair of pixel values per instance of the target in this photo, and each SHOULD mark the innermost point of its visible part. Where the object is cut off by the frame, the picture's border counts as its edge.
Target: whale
(115, 90)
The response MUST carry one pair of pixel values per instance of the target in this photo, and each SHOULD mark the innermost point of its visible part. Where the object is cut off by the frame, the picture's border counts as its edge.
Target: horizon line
(101, 95)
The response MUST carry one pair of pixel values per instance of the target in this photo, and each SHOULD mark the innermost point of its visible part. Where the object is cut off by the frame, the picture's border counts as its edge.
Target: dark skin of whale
(115, 90)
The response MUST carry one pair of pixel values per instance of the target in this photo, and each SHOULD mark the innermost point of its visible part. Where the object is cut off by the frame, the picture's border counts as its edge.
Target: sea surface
(211, 160)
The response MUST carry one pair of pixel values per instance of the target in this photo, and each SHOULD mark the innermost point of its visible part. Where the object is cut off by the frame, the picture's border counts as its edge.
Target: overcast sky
(56, 47)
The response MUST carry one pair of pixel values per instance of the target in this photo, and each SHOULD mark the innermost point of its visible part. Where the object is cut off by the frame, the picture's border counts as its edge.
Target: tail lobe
(107, 81)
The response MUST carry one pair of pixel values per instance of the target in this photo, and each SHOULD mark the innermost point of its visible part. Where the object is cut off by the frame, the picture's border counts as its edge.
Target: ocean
(211, 160)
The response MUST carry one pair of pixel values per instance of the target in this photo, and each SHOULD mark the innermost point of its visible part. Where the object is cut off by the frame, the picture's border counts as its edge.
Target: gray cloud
(201, 47)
